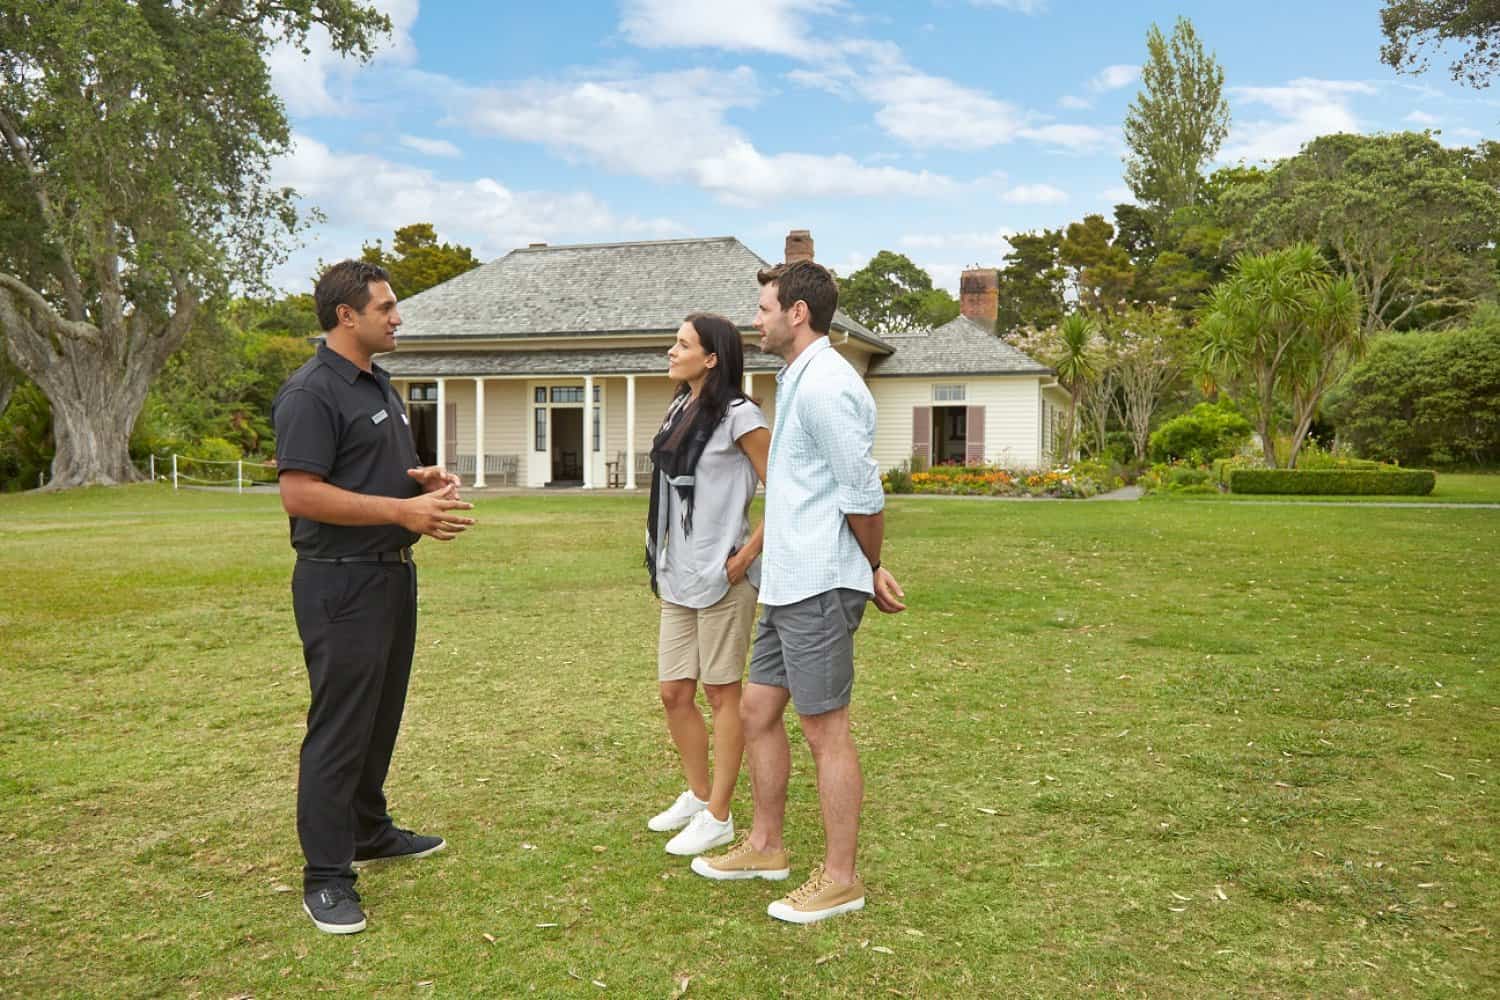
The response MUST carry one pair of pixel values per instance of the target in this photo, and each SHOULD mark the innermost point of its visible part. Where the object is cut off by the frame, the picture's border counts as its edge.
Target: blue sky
(930, 127)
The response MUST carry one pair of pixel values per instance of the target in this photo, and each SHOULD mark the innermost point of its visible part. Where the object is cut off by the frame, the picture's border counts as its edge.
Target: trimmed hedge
(1333, 482)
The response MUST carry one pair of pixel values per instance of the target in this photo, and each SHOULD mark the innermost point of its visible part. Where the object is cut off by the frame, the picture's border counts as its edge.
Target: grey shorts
(808, 648)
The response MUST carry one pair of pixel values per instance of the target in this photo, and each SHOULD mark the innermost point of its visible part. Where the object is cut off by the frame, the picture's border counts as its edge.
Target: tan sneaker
(818, 899)
(743, 861)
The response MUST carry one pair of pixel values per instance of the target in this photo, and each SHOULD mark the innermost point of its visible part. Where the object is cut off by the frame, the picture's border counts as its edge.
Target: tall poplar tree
(1177, 121)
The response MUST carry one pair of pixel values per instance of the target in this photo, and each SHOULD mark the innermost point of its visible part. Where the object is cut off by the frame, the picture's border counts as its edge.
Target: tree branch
(72, 287)
(77, 329)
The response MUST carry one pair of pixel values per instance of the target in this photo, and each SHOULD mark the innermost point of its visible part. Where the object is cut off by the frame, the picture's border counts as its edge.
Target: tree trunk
(95, 402)
(95, 377)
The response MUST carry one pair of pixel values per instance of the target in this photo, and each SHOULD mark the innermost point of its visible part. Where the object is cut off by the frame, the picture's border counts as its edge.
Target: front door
(567, 446)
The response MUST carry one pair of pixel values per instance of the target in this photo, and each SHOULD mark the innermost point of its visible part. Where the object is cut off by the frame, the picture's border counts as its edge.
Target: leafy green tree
(1177, 121)
(26, 444)
(136, 140)
(1400, 215)
(1145, 353)
(417, 261)
(1279, 332)
(1075, 367)
(1422, 397)
(1411, 25)
(1032, 282)
(1102, 275)
(890, 294)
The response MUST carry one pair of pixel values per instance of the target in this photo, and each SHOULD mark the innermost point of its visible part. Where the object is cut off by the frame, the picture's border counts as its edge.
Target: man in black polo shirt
(349, 481)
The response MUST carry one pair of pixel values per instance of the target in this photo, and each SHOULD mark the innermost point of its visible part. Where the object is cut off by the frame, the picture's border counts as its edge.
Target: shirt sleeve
(744, 417)
(844, 427)
(306, 433)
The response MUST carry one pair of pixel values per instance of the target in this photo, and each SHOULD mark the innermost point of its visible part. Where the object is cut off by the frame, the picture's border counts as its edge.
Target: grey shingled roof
(628, 361)
(958, 347)
(598, 289)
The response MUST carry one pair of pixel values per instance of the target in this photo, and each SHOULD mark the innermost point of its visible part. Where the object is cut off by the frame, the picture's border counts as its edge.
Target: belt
(398, 556)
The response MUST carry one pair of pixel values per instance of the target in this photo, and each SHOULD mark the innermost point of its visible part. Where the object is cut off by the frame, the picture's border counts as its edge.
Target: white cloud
(672, 127)
(995, 242)
(430, 147)
(1074, 103)
(1114, 77)
(1035, 194)
(365, 197)
(320, 82)
(1117, 195)
(779, 26)
(1422, 118)
(1019, 6)
(1305, 108)
(1071, 138)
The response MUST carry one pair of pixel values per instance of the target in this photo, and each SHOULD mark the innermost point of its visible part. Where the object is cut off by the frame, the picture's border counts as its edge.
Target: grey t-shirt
(690, 568)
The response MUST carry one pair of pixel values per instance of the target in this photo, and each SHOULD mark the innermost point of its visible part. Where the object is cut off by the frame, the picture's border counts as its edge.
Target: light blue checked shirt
(821, 468)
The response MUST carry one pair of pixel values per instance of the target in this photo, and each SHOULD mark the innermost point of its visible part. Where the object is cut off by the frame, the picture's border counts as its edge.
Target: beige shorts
(706, 644)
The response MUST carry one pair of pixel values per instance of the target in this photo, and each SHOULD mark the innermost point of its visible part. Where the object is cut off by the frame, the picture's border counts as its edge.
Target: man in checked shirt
(824, 524)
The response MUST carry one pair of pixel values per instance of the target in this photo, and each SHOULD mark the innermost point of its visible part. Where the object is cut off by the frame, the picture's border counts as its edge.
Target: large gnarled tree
(136, 138)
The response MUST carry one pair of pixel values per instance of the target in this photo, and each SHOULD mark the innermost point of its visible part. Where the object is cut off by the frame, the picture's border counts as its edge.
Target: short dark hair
(808, 281)
(346, 283)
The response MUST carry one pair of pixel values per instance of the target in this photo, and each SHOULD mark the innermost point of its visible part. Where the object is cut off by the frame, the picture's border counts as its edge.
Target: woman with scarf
(706, 461)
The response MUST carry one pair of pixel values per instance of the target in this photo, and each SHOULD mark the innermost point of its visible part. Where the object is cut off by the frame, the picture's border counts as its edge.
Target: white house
(548, 365)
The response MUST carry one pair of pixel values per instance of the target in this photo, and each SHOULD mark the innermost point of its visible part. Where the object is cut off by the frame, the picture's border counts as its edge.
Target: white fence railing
(187, 471)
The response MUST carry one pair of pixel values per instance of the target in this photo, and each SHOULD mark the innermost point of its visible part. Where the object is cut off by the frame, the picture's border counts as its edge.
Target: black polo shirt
(348, 426)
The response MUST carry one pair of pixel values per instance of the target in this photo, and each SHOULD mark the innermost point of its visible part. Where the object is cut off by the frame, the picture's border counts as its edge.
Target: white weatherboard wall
(1012, 408)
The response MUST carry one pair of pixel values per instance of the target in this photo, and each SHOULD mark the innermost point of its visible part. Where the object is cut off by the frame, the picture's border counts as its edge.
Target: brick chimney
(799, 246)
(979, 295)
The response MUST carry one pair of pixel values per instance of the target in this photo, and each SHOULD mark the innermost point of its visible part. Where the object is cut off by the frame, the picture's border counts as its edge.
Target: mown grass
(1139, 749)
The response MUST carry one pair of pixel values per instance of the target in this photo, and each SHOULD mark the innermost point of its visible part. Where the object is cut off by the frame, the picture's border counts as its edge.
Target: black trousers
(358, 623)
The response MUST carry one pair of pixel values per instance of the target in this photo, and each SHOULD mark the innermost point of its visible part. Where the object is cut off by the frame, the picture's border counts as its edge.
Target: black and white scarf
(674, 456)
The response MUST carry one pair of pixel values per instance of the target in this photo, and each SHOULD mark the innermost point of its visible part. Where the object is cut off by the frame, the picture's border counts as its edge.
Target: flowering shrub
(991, 480)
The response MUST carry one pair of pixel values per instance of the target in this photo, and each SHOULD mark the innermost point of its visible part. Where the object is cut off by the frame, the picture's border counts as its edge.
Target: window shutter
(974, 436)
(921, 434)
(451, 434)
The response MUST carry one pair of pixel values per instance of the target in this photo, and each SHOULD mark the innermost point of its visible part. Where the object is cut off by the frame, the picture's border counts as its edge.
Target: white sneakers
(678, 814)
(703, 832)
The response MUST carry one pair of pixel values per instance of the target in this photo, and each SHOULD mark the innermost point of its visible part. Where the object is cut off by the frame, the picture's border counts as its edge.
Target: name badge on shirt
(379, 418)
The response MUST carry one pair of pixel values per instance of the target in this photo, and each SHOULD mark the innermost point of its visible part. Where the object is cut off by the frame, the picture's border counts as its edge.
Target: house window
(541, 428)
(539, 394)
(567, 394)
(953, 393)
(596, 393)
(597, 411)
(422, 392)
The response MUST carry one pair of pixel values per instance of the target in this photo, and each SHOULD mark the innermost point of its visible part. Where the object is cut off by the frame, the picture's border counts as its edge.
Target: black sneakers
(398, 845)
(335, 909)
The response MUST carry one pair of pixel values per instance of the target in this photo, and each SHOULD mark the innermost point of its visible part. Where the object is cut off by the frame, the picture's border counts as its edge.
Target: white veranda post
(442, 423)
(588, 432)
(479, 483)
(630, 432)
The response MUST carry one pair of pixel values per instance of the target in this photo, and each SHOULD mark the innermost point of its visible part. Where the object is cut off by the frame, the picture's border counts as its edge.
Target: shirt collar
(346, 369)
(795, 369)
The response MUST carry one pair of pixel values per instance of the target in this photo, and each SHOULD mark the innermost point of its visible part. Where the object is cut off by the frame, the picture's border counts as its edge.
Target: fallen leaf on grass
(282, 887)
(546, 925)
(1220, 893)
(883, 949)
(987, 812)
(600, 848)
(1426, 885)
(1178, 909)
(1178, 895)
(425, 982)
(598, 983)
(490, 938)
(825, 958)
(1440, 774)
(682, 985)
(914, 932)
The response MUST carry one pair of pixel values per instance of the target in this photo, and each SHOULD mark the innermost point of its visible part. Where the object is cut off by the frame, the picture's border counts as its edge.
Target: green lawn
(1147, 749)
(1452, 487)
